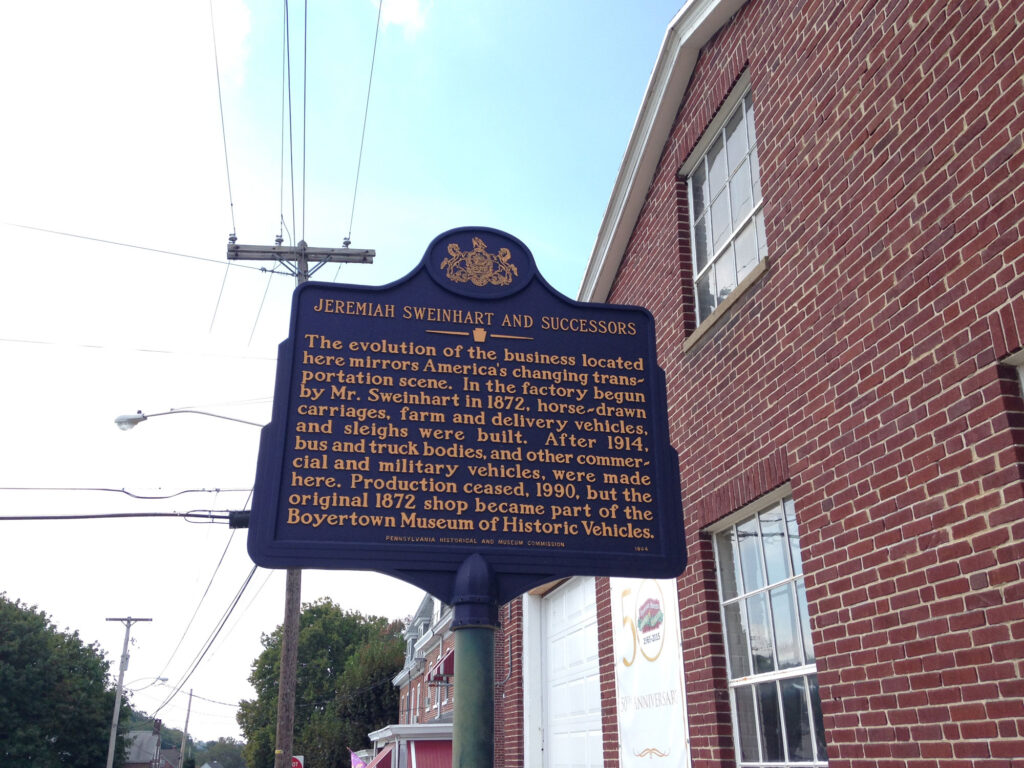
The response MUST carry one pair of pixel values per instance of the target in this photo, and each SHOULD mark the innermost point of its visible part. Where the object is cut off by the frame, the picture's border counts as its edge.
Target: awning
(430, 754)
(444, 669)
(382, 759)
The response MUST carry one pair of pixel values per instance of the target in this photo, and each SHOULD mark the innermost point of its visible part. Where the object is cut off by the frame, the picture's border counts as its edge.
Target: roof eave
(689, 31)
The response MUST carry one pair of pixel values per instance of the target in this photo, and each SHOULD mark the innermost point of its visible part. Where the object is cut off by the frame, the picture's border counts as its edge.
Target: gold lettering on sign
(483, 441)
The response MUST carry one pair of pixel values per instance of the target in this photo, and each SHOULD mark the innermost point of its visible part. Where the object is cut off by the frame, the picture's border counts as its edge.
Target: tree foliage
(170, 737)
(343, 686)
(226, 751)
(55, 702)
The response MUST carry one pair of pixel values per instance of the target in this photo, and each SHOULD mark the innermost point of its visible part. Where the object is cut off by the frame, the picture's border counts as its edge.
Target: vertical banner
(650, 691)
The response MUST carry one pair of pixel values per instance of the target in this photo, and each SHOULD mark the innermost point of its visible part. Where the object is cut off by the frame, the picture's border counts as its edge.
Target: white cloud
(410, 15)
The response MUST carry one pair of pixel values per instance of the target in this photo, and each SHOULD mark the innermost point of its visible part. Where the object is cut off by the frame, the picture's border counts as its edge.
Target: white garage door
(572, 690)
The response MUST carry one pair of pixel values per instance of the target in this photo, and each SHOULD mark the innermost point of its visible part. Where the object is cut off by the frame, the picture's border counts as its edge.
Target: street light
(289, 627)
(125, 422)
(156, 724)
(128, 421)
(156, 680)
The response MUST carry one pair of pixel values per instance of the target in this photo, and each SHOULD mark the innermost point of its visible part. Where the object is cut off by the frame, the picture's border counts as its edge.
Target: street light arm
(128, 421)
(153, 681)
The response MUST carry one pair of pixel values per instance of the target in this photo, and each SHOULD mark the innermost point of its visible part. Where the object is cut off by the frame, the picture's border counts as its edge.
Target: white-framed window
(726, 206)
(1017, 361)
(773, 680)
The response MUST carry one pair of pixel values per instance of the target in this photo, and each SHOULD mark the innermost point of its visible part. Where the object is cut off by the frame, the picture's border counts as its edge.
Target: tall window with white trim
(726, 216)
(773, 680)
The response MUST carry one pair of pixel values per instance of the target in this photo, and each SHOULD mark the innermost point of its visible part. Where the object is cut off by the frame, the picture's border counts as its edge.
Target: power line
(47, 342)
(198, 605)
(227, 168)
(220, 295)
(228, 265)
(124, 491)
(288, 89)
(209, 642)
(133, 245)
(284, 103)
(362, 140)
(305, 69)
(223, 403)
(349, 695)
(206, 515)
(223, 129)
(259, 312)
(270, 575)
(149, 718)
(213, 701)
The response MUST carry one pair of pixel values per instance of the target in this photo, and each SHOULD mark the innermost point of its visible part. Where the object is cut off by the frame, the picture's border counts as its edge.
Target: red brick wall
(606, 670)
(508, 687)
(863, 368)
(408, 711)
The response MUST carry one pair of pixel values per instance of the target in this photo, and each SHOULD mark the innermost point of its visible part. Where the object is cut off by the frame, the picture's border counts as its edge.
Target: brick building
(422, 735)
(822, 203)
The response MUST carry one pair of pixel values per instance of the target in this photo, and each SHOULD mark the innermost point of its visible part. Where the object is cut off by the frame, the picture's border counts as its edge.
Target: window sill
(722, 309)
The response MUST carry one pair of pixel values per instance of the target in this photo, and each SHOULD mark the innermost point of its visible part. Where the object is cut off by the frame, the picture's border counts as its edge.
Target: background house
(144, 752)
(422, 735)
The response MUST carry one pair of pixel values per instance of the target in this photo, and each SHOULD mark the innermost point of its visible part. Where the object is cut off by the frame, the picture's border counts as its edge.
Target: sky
(119, 187)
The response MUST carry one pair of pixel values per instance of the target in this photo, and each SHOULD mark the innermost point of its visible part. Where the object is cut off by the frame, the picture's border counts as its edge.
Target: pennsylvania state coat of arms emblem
(478, 266)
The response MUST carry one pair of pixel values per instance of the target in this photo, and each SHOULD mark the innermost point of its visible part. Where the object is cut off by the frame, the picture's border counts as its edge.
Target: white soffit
(408, 731)
(689, 31)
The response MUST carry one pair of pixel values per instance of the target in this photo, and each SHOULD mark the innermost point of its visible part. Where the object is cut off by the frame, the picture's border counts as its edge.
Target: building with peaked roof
(422, 736)
(821, 204)
(144, 752)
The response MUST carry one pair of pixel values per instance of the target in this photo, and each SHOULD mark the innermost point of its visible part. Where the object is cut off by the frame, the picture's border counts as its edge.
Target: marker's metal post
(474, 622)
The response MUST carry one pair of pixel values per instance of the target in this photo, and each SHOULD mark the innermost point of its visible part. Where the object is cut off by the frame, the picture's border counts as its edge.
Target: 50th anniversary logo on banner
(651, 697)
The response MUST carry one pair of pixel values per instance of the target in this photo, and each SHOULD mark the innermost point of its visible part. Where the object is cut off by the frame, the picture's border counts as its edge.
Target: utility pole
(155, 762)
(127, 621)
(302, 255)
(184, 733)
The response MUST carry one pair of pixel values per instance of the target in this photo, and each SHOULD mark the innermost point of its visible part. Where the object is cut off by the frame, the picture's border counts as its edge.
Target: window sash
(790, 709)
(729, 235)
(719, 264)
(770, 660)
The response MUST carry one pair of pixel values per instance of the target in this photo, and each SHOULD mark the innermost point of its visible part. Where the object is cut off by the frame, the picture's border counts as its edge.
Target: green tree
(366, 698)
(225, 751)
(55, 701)
(334, 697)
(170, 737)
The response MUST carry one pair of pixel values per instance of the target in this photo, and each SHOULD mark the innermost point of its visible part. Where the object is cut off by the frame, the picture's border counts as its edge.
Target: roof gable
(689, 31)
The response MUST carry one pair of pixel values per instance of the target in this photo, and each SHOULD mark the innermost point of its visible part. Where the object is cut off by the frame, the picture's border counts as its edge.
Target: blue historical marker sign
(467, 409)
